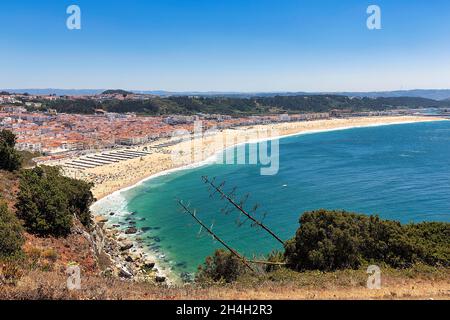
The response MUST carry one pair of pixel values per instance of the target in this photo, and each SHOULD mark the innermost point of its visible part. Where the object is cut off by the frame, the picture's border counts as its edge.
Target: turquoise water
(400, 172)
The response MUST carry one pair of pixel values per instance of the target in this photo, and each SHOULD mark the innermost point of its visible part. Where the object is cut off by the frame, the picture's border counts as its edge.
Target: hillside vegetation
(333, 240)
(241, 106)
(47, 202)
(10, 159)
(329, 241)
(40, 211)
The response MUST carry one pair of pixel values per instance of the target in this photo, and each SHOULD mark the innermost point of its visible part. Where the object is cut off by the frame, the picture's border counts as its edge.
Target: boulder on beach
(125, 273)
(100, 219)
(112, 213)
(126, 246)
(160, 279)
(131, 230)
(149, 265)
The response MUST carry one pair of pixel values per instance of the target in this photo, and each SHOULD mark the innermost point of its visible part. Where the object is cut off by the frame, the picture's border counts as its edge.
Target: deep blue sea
(400, 172)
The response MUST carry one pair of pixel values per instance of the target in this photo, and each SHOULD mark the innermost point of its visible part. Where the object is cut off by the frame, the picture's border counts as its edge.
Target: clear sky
(225, 45)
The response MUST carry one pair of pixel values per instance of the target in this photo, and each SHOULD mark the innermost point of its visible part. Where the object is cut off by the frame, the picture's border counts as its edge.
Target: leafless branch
(229, 198)
(234, 252)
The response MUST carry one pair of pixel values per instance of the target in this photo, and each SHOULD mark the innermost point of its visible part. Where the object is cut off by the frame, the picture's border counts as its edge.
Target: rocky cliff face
(117, 256)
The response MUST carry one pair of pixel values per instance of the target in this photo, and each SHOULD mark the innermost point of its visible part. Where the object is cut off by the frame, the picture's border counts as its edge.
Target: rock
(149, 265)
(125, 273)
(129, 259)
(181, 265)
(100, 219)
(160, 279)
(131, 230)
(126, 246)
(112, 214)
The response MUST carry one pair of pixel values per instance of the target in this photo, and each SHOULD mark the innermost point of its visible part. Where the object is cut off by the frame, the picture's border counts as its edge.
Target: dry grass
(59, 252)
(416, 283)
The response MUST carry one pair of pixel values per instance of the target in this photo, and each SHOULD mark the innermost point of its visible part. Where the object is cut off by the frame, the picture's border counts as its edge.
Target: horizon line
(226, 91)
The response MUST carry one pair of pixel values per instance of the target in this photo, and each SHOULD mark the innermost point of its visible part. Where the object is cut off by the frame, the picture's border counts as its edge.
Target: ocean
(399, 172)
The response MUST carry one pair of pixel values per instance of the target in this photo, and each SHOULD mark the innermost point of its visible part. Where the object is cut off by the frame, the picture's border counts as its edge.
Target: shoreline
(118, 236)
(210, 159)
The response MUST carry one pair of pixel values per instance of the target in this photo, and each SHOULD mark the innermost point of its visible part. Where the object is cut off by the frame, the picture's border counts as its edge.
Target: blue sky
(225, 45)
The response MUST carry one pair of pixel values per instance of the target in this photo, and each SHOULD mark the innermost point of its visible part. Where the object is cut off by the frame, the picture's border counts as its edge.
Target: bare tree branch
(234, 252)
(239, 207)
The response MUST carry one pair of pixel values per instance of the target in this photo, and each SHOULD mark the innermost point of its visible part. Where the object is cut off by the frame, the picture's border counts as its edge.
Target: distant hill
(123, 92)
(238, 106)
(439, 94)
(434, 94)
(58, 92)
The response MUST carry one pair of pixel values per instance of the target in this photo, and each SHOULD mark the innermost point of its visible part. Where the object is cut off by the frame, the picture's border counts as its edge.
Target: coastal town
(56, 135)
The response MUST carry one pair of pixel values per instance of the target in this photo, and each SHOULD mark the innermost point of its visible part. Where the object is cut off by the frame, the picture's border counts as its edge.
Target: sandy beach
(110, 178)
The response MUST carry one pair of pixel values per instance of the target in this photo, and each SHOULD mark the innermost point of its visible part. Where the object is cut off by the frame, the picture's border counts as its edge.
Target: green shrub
(331, 240)
(42, 205)
(222, 267)
(50, 254)
(47, 201)
(11, 234)
(10, 159)
(80, 199)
